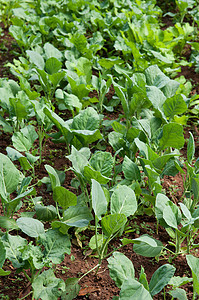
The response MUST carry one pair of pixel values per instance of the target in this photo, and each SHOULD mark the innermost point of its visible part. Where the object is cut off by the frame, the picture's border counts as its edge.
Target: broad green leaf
(90, 173)
(160, 204)
(72, 289)
(64, 197)
(174, 106)
(190, 148)
(147, 246)
(195, 187)
(78, 216)
(161, 278)
(47, 287)
(53, 176)
(8, 223)
(113, 223)
(13, 245)
(103, 162)
(100, 241)
(4, 273)
(87, 119)
(79, 161)
(179, 294)
(31, 227)
(155, 77)
(45, 213)
(36, 59)
(130, 170)
(116, 140)
(9, 175)
(123, 201)
(55, 78)
(177, 281)
(99, 203)
(172, 136)
(156, 96)
(133, 290)
(24, 139)
(86, 137)
(52, 65)
(120, 268)
(51, 51)
(172, 215)
(193, 263)
(185, 211)
(56, 245)
(2, 254)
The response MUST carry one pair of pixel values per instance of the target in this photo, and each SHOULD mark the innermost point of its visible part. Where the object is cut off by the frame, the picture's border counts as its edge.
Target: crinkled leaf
(47, 287)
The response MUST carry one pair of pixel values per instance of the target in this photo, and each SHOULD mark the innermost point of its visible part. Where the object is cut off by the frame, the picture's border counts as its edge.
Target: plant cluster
(71, 54)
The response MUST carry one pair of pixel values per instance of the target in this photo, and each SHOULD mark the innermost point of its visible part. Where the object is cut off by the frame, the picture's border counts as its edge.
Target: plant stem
(88, 272)
(26, 295)
(96, 242)
(26, 275)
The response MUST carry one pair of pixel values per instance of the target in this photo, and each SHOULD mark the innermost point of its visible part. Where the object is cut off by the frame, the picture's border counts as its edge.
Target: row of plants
(70, 55)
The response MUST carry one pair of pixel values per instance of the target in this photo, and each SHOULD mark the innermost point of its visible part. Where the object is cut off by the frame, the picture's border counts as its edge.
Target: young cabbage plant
(49, 249)
(80, 131)
(70, 210)
(123, 204)
(122, 272)
(170, 217)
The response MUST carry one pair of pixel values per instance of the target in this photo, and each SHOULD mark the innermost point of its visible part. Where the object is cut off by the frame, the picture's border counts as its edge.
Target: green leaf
(90, 173)
(47, 287)
(172, 136)
(79, 161)
(51, 51)
(99, 203)
(161, 278)
(9, 175)
(193, 263)
(33, 254)
(52, 65)
(24, 139)
(147, 246)
(78, 216)
(177, 281)
(172, 215)
(45, 213)
(36, 59)
(56, 245)
(130, 170)
(31, 227)
(64, 197)
(190, 148)
(13, 245)
(179, 294)
(54, 178)
(103, 162)
(2, 254)
(87, 119)
(120, 268)
(4, 273)
(156, 96)
(72, 289)
(123, 201)
(8, 223)
(143, 279)
(174, 106)
(113, 223)
(133, 290)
